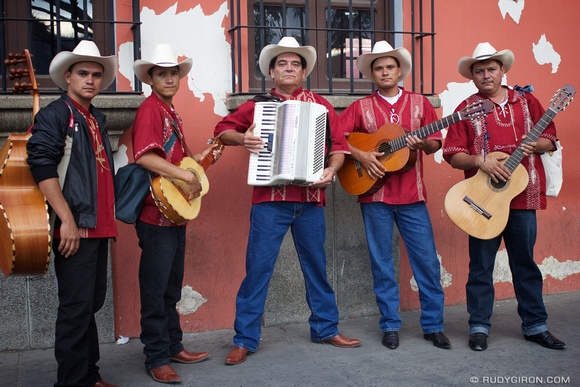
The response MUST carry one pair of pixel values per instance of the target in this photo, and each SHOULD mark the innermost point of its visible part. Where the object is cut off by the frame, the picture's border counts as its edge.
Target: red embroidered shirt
(504, 128)
(411, 111)
(106, 226)
(243, 118)
(151, 131)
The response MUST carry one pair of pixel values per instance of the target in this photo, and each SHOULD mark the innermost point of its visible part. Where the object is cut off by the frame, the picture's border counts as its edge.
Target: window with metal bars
(46, 27)
(340, 31)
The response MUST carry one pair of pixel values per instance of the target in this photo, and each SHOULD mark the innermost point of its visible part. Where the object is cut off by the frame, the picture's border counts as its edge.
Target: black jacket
(46, 148)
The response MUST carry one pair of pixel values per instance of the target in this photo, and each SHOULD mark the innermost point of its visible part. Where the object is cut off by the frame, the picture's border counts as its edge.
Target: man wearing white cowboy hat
(162, 242)
(466, 147)
(81, 233)
(398, 198)
(300, 208)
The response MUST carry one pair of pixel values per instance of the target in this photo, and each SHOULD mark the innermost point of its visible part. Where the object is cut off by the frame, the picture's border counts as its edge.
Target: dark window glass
(340, 40)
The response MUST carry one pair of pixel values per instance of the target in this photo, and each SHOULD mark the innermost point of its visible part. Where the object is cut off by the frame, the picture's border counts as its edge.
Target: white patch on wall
(192, 34)
(558, 270)
(513, 8)
(550, 267)
(446, 278)
(120, 157)
(451, 98)
(501, 270)
(544, 53)
(454, 95)
(190, 301)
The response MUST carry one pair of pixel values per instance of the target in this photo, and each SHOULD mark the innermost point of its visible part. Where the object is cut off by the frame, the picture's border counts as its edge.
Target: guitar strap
(63, 165)
(177, 133)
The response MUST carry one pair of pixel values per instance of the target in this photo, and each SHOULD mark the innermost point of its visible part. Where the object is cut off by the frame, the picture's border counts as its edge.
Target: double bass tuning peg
(21, 87)
(18, 72)
(15, 58)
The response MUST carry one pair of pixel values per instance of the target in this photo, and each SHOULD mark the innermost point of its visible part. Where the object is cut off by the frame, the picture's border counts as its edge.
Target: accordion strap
(266, 98)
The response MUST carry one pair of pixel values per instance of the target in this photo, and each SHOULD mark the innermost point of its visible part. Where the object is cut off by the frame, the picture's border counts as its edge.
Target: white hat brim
(273, 50)
(141, 68)
(364, 62)
(506, 57)
(65, 59)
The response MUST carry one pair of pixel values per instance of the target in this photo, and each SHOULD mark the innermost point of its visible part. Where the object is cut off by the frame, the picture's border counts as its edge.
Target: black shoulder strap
(266, 98)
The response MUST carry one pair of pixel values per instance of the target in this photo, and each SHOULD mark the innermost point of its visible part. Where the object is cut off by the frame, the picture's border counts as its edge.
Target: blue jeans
(269, 222)
(160, 282)
(519, 237)
(415, 228)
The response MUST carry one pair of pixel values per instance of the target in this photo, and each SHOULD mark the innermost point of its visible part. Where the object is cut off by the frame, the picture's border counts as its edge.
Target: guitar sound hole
(499, 186)
(384, 147)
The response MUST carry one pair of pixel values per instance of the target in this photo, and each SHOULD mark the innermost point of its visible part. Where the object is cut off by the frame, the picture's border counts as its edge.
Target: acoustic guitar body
(353, 176)
(481, 207)
(24, 217)
(170, 195)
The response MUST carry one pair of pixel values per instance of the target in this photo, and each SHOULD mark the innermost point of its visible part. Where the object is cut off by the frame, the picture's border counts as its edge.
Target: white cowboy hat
(286, 44)
(380, 49)
(85, 51)
(485, 51)
(163, 55)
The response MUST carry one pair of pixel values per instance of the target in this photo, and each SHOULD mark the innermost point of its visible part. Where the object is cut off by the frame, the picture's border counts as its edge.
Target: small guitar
(170, 195)
(25, 237)
(391, 139)
(478, 205)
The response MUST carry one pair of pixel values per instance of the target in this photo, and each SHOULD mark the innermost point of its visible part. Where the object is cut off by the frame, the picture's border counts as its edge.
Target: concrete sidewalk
(287, 357)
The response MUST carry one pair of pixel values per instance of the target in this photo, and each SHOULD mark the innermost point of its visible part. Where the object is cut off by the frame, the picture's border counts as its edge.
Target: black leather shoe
(478, 341)
(546, 339)
(439, 340)
(391, 339)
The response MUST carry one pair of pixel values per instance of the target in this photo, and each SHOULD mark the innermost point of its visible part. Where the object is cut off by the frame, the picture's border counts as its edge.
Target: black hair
(72, 65)
(302, 60)
(150, 71)
(498, 61)
(396, 60)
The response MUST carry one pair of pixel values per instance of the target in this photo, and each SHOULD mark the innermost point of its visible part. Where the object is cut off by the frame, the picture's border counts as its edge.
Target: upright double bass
(25, 237)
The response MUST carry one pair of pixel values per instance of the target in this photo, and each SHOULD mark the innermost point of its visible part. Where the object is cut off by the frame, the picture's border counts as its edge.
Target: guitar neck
(400, 142)
(209, 158)
(516, 158)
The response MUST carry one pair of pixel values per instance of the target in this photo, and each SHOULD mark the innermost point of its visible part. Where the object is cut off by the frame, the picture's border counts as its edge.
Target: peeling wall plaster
(190, 301)
(550, 266)
(544, 53)
(513, 8)
(446, 278)
(193, 35)
(120, 157)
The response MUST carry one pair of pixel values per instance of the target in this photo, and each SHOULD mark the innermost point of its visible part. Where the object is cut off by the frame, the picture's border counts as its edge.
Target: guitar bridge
(358, 168)
(477, 208)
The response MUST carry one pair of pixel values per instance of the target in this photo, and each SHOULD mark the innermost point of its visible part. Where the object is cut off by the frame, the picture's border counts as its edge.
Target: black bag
(132, 188)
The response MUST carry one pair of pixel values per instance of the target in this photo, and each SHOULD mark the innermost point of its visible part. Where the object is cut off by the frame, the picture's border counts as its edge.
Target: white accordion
(294, 134)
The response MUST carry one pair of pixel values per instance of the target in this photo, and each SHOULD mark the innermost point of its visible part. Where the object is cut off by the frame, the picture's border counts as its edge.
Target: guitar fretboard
(516, 158)
(401, 142)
